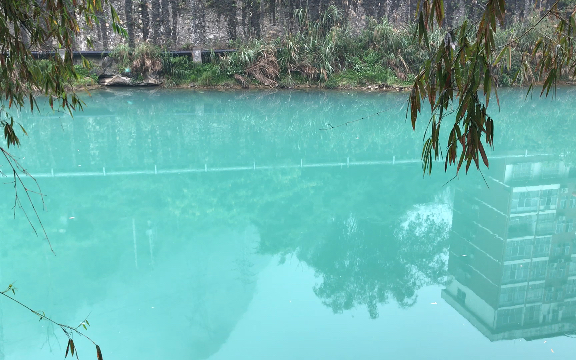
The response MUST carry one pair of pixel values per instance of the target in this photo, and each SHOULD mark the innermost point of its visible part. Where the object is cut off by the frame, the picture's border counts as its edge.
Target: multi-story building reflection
(512, 256)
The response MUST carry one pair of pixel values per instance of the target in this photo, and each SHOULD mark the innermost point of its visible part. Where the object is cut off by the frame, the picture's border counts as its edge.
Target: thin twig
(16, 168)
(42, 317)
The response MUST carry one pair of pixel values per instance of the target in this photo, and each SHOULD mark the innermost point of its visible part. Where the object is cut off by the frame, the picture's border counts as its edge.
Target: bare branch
(17, 168)
(68, 330)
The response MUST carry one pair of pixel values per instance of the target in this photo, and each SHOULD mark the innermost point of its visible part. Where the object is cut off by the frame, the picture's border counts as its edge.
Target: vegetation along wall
(184, 24)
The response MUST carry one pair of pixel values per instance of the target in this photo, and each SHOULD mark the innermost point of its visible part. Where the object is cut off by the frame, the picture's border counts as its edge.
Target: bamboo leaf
(487, 85)
(497, 97)
(98, 353)
(499, 57)
(422, 31)
(468, 163)
(439, 10)
(483, 153)
(550, 79)
(501, 10)
(537, 46)
(529, 89)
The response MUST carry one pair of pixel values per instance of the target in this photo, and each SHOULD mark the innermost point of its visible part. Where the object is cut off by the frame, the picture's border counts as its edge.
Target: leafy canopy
(460, 76)
(28, 25)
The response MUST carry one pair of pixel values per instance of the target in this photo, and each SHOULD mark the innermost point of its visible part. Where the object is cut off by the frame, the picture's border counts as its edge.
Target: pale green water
(208, 225)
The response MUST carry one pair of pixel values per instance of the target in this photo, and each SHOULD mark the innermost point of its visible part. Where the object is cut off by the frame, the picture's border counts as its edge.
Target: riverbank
(323, 54)
(204, 77)
(83, 86)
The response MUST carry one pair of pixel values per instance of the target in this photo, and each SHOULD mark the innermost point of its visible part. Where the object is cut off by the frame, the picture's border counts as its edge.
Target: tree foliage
(28, 25)
(460, 76)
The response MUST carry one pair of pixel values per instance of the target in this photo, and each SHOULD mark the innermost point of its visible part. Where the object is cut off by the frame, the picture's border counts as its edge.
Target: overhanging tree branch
(69, 331)
(17, 180)
(462, 65)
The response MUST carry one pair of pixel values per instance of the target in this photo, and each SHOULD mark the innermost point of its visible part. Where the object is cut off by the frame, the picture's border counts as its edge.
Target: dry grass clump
(265, 68)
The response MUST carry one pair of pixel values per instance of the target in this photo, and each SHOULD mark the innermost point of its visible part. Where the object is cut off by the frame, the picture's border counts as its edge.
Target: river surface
(250, 225)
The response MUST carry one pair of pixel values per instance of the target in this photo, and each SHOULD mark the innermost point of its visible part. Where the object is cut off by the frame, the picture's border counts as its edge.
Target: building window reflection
(538, 270)
(550, 169)
(509, 317)
(545, 225)
(556, 270)
(512, 295)
(525, 201)
(521, 226)
(532, 315)
(564, 225)
(535, 293)
(522, 171)
(569, 312)
(572, 268)
(542, 246)
(548, 199)
(554, 294)
(561, 249)
(515, 273)
(571, 288)
(520, 249)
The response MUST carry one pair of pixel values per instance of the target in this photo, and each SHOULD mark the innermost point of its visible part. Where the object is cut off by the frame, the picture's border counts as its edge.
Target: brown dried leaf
(98, 353)
(483, 153)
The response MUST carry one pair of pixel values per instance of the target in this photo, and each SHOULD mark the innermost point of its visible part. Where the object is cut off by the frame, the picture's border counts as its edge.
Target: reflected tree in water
(365, 263)
(357, 238)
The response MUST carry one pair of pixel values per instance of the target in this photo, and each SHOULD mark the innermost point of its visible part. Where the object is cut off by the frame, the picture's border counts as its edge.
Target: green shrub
(85, 76)
(209, 75)
(143, 59)
(286, 82)
(178, 69)
(332, 83)
(122, 54)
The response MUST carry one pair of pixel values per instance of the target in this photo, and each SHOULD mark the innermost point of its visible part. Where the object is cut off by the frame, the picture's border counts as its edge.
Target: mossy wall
(182, 24)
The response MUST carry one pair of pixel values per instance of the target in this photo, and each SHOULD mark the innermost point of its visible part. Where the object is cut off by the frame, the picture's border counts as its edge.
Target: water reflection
(191, 246)
(174, 257)
(137, 130)
(180, 254)
(512, 254)
(366, 246)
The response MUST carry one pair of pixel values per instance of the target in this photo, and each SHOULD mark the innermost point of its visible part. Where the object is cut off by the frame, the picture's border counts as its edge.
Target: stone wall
(183, 24)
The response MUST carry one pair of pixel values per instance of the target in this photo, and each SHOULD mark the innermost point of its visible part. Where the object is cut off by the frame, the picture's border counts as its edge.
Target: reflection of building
(512, 251)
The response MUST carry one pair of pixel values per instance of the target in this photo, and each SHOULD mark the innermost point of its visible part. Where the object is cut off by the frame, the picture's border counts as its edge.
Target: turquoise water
(228, 225)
